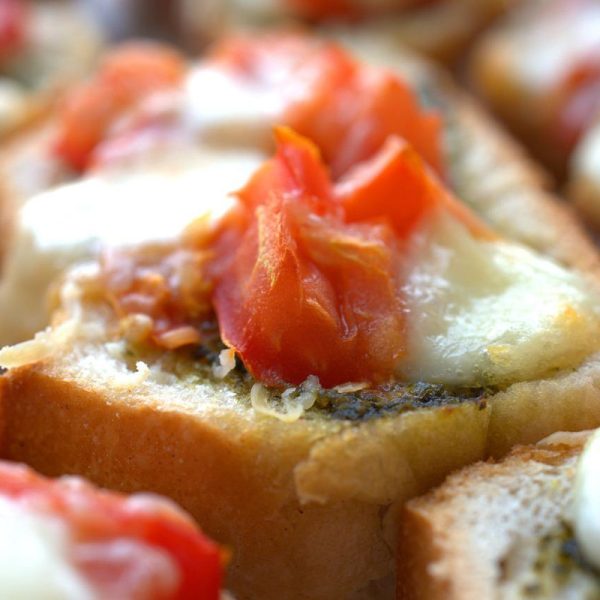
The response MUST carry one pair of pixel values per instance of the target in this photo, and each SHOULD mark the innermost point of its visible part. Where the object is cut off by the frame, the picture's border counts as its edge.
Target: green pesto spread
(560, 571)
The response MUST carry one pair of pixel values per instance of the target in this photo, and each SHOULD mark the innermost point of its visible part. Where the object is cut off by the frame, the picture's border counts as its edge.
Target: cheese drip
(481, 312)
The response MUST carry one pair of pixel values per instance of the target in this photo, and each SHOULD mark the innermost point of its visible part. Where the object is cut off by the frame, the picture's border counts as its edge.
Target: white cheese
(587, 157)
(587, 502)
(226, 110)
(481, 312)
(71, 223)
(34, 557)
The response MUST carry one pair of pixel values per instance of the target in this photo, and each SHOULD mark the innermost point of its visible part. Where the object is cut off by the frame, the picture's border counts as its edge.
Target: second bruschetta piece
(66, 539)
(523, 527)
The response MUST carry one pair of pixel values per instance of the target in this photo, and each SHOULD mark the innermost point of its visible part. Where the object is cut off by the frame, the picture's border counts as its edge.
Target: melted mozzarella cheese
(233, 111)
(481, 312)
(587, 502)
(72, 223)
(34, 557)
(587, 156)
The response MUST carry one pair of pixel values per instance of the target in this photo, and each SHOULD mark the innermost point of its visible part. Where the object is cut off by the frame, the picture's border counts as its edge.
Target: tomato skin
(300, 292)
(346, 108)
(93, 515)
(13, 25)
(126, 75)
(399, 172)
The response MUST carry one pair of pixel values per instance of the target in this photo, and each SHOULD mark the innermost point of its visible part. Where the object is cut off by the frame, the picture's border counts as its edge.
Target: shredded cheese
(226, 363)
(294, 401)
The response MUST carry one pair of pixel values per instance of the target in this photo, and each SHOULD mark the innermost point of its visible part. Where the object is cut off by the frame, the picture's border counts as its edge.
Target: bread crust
(439, 558)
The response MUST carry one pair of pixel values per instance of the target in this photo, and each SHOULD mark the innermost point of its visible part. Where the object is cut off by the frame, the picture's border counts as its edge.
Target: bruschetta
(66, 539)
(540, 72)
(525, 526)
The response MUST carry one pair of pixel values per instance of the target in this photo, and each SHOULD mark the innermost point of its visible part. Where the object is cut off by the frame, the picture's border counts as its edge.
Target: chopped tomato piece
(346, 108)
(13, 25)
(97, 520)
(309, 284)
(167, 286)
(398, 171)
(126, 76)
(304, 274)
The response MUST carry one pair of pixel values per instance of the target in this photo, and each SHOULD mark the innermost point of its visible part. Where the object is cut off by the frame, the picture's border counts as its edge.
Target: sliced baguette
(481, 534)
(526, 79)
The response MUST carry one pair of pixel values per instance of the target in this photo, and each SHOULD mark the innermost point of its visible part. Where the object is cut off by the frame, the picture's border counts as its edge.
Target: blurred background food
(43, 46)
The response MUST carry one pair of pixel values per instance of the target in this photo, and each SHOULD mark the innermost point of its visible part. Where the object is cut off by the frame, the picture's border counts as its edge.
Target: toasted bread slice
(543, 90)
(498, 530)
(320, 469)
